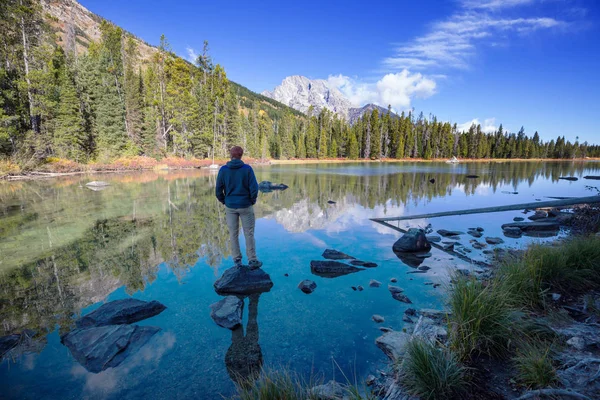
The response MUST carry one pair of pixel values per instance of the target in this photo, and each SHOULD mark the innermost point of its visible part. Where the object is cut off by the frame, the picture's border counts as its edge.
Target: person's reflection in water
(244, 357)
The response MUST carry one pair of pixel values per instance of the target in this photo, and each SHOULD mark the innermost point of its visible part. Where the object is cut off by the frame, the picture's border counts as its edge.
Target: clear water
(65, 249)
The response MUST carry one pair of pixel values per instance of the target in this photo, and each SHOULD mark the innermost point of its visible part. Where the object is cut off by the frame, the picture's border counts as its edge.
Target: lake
(66, 249)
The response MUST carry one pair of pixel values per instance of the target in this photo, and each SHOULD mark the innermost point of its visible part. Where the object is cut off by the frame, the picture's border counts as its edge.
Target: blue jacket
(236, 185)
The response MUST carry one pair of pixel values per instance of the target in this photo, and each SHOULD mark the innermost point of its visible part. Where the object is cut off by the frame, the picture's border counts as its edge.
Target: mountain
(301, 93)
(76, 28)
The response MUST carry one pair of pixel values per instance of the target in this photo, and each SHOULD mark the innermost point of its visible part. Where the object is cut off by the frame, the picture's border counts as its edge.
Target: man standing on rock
(237, 189)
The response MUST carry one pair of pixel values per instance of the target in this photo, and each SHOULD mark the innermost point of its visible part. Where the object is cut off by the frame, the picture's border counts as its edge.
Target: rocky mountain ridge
(301, 93)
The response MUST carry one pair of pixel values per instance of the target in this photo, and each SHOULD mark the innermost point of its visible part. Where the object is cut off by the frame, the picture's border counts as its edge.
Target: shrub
(60, 165)
(481, 318)
(573, 267)
(534, 366)
(7, 167)
(433, 373)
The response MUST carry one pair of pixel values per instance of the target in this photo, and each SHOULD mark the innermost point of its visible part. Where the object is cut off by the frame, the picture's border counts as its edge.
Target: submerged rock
(227, 313)
(373, 283)
(242, 280)
(102, 347)
(366, 264)
(307, 286)
(433, 238)
(96, 184)
(393, 344)
(332, 269)
(331, 254)
(397, 294)
(378, 318)
(512, 232)
(475, 233)
(329, 391)
(7, 343)
(412, 241)
(124, 311)
(494, 240)
(446, 233)
(533, 226)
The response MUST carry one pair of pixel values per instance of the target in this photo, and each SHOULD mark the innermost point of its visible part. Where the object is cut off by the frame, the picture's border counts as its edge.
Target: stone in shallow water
(533, 226)
(433, 238)
(512, 232)
(378, 318)
(494, 240)
(242, 280)
(332, 269)
(366, 264)
(307, 286)
(475, 233)
(124, 311)
(374, 283)
(102, 347)
(412, 241)
(446, 233)
(227, 312)
(331, 254)
(393, 344)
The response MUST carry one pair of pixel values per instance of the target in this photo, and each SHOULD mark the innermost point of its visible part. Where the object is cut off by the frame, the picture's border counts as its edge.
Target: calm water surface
(65, 250)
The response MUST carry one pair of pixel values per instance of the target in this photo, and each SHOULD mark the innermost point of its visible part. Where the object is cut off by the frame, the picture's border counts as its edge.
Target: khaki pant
(233, 216)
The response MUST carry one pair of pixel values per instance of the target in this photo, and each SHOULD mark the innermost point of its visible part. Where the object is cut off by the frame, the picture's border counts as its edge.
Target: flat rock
(307, 286)
(433, 238)
(227, 312)
(332, 269)
(241, 280)
(512, 232)
(332, 254)
(378, 318)
(533, 226)
(393, 344)
(124, 311)
(475, 233)
(493, 240)
(366, 264)
(569, 178)
(412, 241)
(478, 245)
(518, 219)
(594, 177)
(446, 233)
(329, 391)
(538, 215)
(449, 245)
(102, 347)
(424, 268)
(395, 289)
(374, 283)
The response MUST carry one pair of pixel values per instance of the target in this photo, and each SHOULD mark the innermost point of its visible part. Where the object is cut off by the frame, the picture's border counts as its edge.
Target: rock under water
(332, 254)
(307, 286)
(332, 269)
(102, 347)
(118, 312)
(227, 313)
(242, 280)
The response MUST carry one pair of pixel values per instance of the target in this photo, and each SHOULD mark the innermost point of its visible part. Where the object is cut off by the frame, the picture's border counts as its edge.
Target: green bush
(480, 320)
(534, 367)
(433, 373)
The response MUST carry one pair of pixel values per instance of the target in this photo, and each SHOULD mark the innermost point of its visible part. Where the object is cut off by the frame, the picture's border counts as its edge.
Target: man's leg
(248, 223)
(233, 224)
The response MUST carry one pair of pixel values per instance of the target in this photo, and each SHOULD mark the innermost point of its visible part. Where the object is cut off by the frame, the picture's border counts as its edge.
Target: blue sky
(531, 63)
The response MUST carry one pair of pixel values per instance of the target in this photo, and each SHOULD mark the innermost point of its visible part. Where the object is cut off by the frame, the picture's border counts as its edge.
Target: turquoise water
(66, 249)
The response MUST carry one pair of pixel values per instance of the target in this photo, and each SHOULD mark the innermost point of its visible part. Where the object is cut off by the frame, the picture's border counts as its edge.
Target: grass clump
(573, 267)
(272, 384)
(481, 319)
(433, 373)
(534, 367)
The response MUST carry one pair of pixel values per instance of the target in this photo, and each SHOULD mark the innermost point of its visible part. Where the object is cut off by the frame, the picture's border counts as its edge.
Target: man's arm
(253, 187)
(220, 188)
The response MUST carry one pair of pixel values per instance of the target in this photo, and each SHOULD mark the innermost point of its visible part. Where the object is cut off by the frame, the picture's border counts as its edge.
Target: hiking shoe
(238, 262)
(255, 264)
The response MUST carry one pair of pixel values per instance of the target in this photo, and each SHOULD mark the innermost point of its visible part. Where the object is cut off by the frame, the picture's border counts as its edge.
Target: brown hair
(236, 152)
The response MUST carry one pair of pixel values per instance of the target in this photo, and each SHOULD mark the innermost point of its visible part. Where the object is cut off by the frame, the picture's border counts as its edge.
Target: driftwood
(552, 393)
(534, 205)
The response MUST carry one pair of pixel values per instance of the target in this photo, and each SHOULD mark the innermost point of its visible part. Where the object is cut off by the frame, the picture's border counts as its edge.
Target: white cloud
(192, 55)
(453, 42)
(396, 90)
(488, 126)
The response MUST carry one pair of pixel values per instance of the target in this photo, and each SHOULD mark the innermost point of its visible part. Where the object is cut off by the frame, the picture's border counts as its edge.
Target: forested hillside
(98, 100)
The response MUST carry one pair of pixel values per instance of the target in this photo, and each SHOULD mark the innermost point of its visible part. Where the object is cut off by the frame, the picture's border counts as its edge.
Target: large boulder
(331, 254)
(124, 311)
(242, 280)
(102, 347)
(412, 241)
(393, 344)
(227, 313)
(332, 269)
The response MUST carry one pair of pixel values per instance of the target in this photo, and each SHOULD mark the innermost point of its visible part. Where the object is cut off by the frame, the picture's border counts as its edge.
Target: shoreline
(170, 164)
